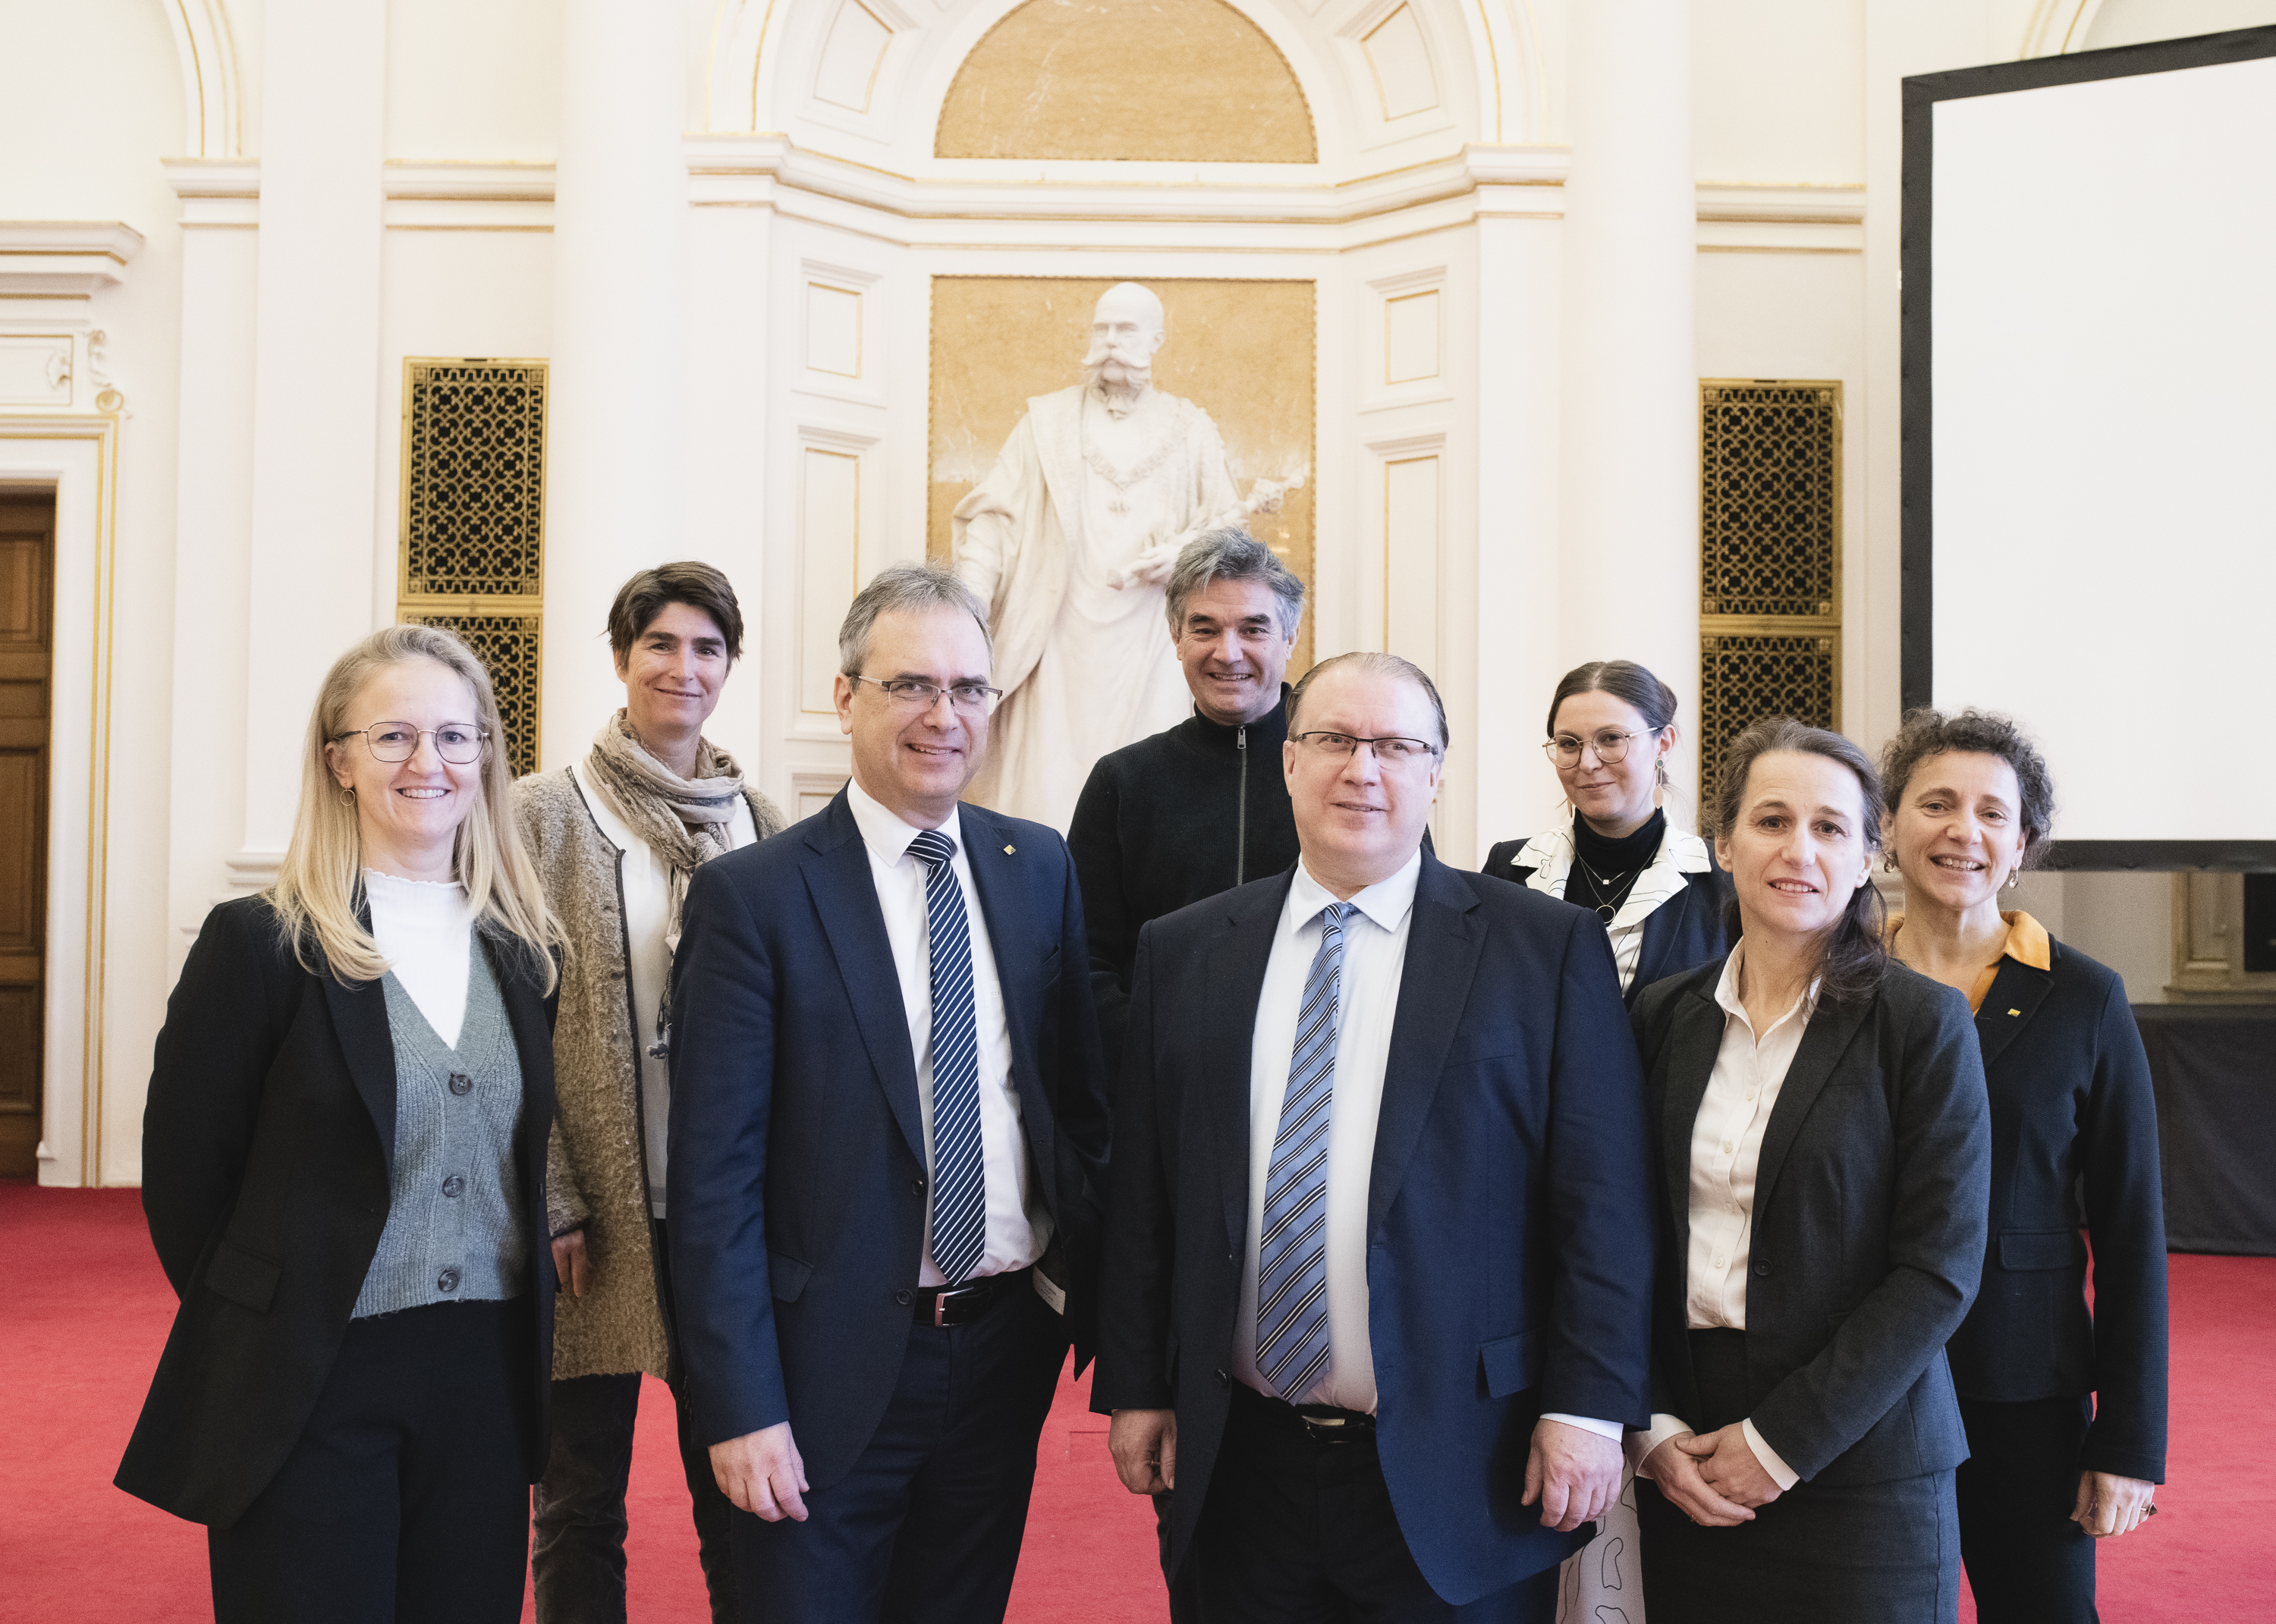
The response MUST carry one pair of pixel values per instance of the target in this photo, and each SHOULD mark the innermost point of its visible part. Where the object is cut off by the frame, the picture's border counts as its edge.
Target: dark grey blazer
(1870, 1203)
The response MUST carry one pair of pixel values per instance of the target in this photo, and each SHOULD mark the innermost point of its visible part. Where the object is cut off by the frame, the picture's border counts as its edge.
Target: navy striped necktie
(1292, 1251)
(959, 1184)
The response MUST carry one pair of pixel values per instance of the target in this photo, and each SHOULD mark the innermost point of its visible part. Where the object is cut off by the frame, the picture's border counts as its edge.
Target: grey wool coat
(596, 1163)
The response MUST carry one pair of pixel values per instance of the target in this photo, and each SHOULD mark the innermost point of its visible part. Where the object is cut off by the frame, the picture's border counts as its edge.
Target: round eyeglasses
(1611, 746)
(458, 743)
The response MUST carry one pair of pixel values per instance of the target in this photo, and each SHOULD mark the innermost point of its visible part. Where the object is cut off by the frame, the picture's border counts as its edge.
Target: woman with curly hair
(2064, 1402)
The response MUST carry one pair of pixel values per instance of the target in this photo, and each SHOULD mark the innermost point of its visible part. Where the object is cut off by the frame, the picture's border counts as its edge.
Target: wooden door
(27, 558)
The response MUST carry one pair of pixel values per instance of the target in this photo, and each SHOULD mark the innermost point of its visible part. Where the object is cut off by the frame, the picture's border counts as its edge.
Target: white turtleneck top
(425, 930)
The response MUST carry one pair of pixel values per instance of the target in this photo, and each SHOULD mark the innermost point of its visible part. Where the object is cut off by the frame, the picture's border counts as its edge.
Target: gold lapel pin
(2014, 1012)
(1009, 850)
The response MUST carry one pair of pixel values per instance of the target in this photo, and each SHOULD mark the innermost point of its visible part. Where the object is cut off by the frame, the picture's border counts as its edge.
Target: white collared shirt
(1726, 1148)
(1367, 1005)
(647, 908)
(1551, 856)
(1019, 1227)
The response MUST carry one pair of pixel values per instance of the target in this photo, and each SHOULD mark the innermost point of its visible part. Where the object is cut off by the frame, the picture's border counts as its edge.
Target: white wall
(2133, 22)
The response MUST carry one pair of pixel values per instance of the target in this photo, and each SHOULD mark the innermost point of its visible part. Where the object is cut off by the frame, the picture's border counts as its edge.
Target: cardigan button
(461, 1084)
(448, 1280)
(454, 1186)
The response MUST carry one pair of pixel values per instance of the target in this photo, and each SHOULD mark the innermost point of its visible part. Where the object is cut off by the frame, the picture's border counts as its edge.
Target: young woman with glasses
(1611, 723)
(344, 1171)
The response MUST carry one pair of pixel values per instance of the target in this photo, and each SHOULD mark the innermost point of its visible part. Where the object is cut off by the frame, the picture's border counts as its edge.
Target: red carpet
(84, 1311)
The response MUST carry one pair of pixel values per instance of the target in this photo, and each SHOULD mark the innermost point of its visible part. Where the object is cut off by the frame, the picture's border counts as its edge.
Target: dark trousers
(1185, 1590)
(577, 1558)
(1861, 1553)
(407, 1496)
(1299, 1531)
(2028, 1562)
(926, 1524)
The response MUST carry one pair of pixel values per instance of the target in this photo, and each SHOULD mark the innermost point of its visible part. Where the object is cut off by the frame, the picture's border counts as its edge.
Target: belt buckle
(940, 1304)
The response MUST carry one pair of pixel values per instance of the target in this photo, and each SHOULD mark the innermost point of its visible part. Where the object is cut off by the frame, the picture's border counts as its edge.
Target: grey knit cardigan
(596, 1165)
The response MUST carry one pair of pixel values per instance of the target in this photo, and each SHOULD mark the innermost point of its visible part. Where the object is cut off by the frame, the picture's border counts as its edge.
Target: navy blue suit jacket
(1509, 1207)
(797, 1152)
(1682, 933)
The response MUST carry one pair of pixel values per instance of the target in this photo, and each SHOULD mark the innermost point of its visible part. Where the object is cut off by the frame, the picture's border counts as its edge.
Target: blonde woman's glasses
(458, 743)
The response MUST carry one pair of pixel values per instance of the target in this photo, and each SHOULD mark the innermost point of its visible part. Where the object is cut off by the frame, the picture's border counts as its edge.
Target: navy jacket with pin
(267, 1144)
(798, 1167)
(1509, 1229)
(2072, 1110)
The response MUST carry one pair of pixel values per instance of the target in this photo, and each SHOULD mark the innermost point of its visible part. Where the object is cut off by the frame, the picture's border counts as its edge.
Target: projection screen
(2090, 432)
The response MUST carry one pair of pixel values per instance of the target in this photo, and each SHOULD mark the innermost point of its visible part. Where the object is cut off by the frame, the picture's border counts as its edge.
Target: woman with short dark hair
(2064, 1399)
(616, 838)
(1823, 1156)
(1655, 887)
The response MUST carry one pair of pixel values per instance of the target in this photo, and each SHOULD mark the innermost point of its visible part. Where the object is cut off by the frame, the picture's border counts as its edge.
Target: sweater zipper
(1241, 815)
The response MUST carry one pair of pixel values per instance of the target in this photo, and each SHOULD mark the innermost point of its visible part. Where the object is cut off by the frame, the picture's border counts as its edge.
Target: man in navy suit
(888, 1134)
(1379, 1251)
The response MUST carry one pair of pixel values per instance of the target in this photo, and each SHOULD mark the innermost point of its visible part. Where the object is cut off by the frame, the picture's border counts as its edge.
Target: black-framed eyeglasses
(458, 743)
(1611, 746)
(1392, 752)
(915, 694)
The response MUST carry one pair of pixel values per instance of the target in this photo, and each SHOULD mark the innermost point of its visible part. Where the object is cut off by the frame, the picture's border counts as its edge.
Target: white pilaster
(1630, 490)
(316, 390)
(616, 459)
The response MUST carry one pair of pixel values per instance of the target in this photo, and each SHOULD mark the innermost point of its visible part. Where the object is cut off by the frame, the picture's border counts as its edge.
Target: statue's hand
(1150, 568)
(1265, 496)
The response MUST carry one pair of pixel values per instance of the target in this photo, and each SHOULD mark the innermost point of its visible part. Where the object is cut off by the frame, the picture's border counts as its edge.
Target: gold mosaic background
(507, 646)
(1770, 558)
(1171, 80)
(1241, 351)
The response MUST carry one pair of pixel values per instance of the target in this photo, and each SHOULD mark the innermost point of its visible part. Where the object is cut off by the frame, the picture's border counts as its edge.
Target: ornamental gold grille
(1769, 499)
(473, 552)
(1770, 558)
(1746, 678)
(473, 507)
(507, 647)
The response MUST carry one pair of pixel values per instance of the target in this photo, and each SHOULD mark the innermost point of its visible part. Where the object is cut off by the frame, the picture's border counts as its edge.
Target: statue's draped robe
(1085, 668)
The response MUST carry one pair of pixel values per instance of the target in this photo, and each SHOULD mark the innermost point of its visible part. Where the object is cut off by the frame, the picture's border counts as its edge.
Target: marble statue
(1070, 542)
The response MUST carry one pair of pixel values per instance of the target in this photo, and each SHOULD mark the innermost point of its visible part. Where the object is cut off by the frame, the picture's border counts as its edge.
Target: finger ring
(2150, 1510)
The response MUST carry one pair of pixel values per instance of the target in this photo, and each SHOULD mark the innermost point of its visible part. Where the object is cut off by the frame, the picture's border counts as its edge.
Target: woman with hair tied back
(1823, 1156)
(344, 1171)
(1611, 725)
(2064, 1401)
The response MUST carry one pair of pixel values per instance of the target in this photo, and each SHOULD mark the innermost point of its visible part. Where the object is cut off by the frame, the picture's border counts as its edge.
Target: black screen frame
(1917, 483)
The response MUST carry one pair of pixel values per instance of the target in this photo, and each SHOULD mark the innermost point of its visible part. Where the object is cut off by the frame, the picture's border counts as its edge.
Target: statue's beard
(1118, 380)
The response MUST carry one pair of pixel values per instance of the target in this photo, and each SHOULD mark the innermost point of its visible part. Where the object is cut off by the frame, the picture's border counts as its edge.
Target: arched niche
(1174, 81)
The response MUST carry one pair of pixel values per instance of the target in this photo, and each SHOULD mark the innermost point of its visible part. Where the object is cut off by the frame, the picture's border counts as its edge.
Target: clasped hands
(1716, 1480)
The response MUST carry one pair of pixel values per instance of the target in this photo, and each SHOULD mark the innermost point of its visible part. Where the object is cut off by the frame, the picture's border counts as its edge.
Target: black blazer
(2071, 1110)
(266, 1148)
(1869, 1224)
(798, 1166)
(1682, 933)
(1509, 1237)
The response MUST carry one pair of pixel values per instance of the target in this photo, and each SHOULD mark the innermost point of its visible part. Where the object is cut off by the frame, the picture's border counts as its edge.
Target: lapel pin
(2014, 1012)
(1009, 850)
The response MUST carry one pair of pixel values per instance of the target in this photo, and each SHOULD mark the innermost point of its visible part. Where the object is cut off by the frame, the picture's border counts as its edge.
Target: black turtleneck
(1167, 822)
(1611, 866)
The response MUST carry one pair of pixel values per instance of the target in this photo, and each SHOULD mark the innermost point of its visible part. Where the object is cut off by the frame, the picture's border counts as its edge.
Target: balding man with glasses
(1379, 1252)
(888, 1131)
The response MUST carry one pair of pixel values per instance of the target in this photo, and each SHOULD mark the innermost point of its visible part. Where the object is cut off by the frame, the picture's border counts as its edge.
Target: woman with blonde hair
(344, 1173)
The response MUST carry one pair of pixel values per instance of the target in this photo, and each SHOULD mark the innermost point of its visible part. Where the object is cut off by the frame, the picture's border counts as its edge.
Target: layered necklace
(1619, 865)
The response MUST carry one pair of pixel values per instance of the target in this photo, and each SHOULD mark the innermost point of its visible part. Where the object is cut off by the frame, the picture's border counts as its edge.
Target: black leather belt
(1323, 1423)
(960, 1305)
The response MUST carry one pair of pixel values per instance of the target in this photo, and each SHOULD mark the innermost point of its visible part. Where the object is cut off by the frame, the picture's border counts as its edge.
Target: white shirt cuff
(1602, 1428)
(1781, 1474)
(1641, 1445)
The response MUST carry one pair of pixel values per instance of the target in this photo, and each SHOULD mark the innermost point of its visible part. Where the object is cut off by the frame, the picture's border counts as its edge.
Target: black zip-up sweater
(1195, 809)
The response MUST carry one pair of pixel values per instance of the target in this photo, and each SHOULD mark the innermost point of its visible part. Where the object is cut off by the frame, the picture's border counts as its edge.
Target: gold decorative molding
(1174, 81)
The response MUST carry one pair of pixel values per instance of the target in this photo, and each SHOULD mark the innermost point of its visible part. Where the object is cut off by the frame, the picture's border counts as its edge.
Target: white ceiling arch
(1389, 82)
(213, 92)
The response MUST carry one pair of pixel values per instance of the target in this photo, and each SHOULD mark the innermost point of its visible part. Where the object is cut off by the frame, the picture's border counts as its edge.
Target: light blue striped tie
(1292, 1270)
(959, 1183)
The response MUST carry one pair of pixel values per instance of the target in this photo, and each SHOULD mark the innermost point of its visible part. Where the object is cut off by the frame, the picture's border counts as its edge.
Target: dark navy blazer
(798, 1165)
(2072, 1110)
(1680, 934)
(1509, 1230)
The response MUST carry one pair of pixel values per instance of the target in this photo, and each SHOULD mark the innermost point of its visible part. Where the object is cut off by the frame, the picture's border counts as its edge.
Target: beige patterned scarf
(683, 820)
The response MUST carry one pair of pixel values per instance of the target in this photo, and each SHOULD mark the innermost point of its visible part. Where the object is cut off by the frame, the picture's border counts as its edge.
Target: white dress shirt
(1019, 1227)
(1726, 1146)
(425, 931)
(1367, 1005)
(648, 905)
